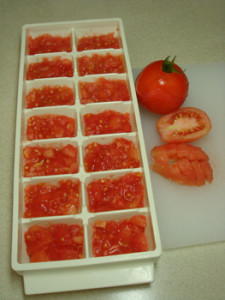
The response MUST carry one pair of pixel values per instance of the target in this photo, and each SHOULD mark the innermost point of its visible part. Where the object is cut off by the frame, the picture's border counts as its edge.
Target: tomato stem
(168, 66)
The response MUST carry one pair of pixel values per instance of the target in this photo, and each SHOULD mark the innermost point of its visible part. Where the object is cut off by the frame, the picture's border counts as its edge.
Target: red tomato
(182, 163)
(184, 125)
(162, 86)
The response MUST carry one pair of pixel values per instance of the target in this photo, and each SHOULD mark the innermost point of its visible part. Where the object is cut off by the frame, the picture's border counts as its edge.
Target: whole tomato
(162, 86)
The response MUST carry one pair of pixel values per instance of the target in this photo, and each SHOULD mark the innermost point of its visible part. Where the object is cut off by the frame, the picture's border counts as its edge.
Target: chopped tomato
(182, 163)
(184, 125)
(55, 242)
(120, 154)
(118, 237)
(56, 67)
(50, 126)
(103, 41)
(42, 161)
(111, 194)
(45, 199)
(50, 96)
(103, 90)
(100, 64)
(108, 121)
(46, 43)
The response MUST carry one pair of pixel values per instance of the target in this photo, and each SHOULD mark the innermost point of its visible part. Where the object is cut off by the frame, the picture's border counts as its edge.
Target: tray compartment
(51, 86)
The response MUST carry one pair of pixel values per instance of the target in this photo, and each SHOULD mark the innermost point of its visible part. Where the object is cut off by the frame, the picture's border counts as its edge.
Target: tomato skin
(159, 91)
(184, 125)
(182, 163)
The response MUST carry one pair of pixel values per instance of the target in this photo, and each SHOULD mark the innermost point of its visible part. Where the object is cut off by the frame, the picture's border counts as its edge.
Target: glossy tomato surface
(159, 91)
(184, 125)
(182, 163)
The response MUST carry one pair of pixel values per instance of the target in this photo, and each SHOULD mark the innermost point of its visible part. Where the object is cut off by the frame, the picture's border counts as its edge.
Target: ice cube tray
(89, 271)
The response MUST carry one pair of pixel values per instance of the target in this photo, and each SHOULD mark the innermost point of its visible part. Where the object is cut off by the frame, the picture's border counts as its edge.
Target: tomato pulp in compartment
(50, 96)
(47, 199)
(49, 68)
(54, 242)
(103, 90)
(119, 154)
(102, 41)
(108, 121)
(120, 237)
(124, 192)
(100, 64)
(47, 43)
(43, 161)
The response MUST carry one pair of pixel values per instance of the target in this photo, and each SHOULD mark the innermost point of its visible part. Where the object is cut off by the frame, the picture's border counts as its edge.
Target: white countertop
(193, 30)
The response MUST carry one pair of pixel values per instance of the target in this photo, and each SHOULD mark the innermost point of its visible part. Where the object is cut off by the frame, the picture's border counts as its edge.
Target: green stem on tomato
(168, 66)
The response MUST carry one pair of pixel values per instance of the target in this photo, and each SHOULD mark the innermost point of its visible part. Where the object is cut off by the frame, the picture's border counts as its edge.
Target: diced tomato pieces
(119, 237)
(46, 43)
(103, 90)
(50, 126)
(120, 154)
(45, 199)
(50, 96)
(56, 67)
(108, 121)
(112, 194)
(42, 161)
(100, 64)
(55, 242)
(103, 41)
(182, 163)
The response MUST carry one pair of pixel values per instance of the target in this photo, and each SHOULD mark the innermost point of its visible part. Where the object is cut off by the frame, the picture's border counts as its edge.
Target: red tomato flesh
(56, 67)
(55, 242)
(45, 199)
(120, 154)
(50, 96)
(100, 64)
(159, 91)
(107, 122)
(50, 126)
(108, 194)
(182, 163)
(184, 125)
(46, 43)
(119, 237)
(42, 161)
(103, 41)
(103, 90)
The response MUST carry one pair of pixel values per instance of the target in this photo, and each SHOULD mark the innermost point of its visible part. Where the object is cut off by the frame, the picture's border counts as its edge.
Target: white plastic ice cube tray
(88, 272)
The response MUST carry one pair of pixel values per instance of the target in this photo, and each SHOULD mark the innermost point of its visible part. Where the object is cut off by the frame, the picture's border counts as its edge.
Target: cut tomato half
(182, 163)
(183, 125)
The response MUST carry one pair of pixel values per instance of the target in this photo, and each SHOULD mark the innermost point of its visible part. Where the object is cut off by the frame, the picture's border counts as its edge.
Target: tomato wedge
(183, 125)
(182, 163)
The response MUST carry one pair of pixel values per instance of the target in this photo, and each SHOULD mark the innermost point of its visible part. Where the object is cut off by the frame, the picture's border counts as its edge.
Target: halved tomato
(183, 125)
(182, 163)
